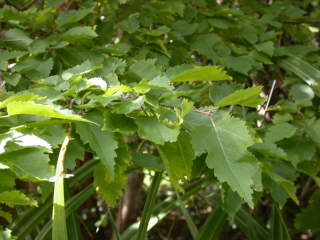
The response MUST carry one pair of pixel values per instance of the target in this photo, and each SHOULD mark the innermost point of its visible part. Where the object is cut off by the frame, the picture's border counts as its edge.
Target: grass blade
(213, 225)
(73, 224)
(59, 225)
(29, 219)
(302, 69)
(71, 205)
(279, 229)
(148, 207)
(114, 225)
(192, 227)
(250, 226)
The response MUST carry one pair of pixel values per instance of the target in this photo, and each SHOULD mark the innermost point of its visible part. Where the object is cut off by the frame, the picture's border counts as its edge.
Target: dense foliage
(93, 91)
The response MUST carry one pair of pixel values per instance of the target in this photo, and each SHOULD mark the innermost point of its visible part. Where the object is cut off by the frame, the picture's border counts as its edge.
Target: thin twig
(270, 96)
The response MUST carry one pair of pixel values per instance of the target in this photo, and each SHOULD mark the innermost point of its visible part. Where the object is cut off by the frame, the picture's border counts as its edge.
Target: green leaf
(207, 73)
(211, 46)
(302, 94)
(102, 142)
(299, 149)
(131, 24)
(266, 47)
(72, 16)
(231, 202)
(309, 219)
(118, 123)
(213, 225)
(269, 150)
(128, 106)
(146, 69)
(249, 97)
(178, 158)
(148, 161)
(313, 132)
(78, 33)
(6, 215)
(226, 140)
(279, 131)
(59, 225)
(28, 162)
(220, 91)
(17, 38)
(282, 184)
(51, 111)
(110, 190)
(241, 64)
(151, 129)
(78, 70)
(74, 151)
(302, 69)
(14, 198)
(20, 97)
(7, 179)
(278, 229)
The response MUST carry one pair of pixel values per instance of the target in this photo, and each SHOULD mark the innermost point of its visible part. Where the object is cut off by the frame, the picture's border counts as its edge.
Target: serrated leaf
(110, 190)
(231, 202)
(102, 142)
(7, 179)
(211, 46)
(75, 151)
(226, 140)
(6, 215)
(72, 16)
(282, 185)
(207, 73)
(241, 64)
(78, 33)
(77, 70)
(151, 129)
(128, 106)
(313, 132)
(51, 111)
(148, 161)
(249, 97)
(266, 47)
(20, 97)
(15, 198)
(269, 150)
(178, 158)
(299, 149)
(118, 123)
(218, 92)
(146, 69)
(17, 38)
(309, 218)
(279, 131)
(131, 24)
(28, 162)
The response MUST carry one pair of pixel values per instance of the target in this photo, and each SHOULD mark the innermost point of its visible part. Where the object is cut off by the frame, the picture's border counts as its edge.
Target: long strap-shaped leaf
(302, 69)
(191, 225)
(72, 205)
(214, 225)
(59, 226)
(148, 207)
(29, 219)
(278, 229)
